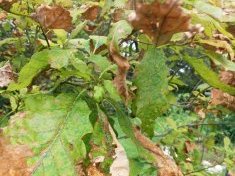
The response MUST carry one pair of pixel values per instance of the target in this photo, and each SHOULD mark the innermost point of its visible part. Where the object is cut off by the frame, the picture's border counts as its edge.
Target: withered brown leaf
(221, 98)
(91, 13)
(6, 4)
(160, 20)
(6, 75)
(123, 67)
(53, 17)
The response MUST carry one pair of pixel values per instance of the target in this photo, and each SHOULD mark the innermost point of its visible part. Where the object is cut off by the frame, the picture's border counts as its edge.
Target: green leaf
(8, 41)
(38, 62)
(98, 93)
(53, 129)
(59, 58)
(208, 75)
(112, 91)
(139, 159)
(210, 24)
(78, 29)
(214, 11)
(98, 41)
(226, 143)
(220, 60)
(101, 62)
(56, 57)
(209, 9)
(119, 31)
(152, 88)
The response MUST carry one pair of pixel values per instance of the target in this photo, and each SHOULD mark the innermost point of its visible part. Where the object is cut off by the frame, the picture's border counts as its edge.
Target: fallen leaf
(160, 20)
(6, 75)
(53, 17)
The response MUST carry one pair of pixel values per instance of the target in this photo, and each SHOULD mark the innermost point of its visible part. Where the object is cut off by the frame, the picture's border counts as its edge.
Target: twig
(188, 125)
(45, 36)
(199, 170)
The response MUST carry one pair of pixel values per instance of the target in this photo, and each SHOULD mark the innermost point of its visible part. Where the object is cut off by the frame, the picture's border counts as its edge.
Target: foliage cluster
(109, 87)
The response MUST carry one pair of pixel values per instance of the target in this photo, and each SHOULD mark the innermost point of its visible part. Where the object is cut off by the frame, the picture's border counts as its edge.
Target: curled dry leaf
(13, 159)
(166, 166)
(6, 75)
(6, 4)
(160, 20)
(123, 67)
(53, 17)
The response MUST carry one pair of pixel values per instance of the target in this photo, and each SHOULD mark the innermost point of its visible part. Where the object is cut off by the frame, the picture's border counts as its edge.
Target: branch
(188, 125)
(202, 169)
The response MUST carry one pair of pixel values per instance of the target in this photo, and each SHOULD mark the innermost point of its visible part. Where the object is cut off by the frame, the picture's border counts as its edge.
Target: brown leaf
(93, 171)
(224, 99)
(13, 159)
(160, 20)
(6, 4)
(3, 16)
(53, 17)
(123, 67)
(189, 146)
(228, 77)
(166, 166)
(6, 75)
(91, 13)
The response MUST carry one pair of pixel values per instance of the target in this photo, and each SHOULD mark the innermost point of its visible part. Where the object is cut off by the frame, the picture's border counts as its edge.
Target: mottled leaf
(152, 87)
(53, 129)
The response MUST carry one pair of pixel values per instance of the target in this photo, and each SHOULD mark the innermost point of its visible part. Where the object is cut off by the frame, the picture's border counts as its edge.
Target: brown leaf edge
(13, 158)
(165, 165)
